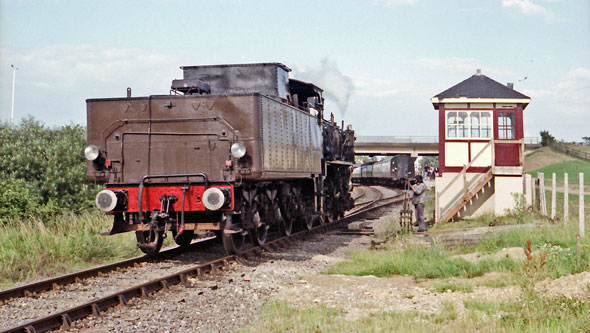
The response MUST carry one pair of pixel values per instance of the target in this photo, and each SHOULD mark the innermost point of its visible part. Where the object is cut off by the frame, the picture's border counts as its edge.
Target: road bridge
(413, 145)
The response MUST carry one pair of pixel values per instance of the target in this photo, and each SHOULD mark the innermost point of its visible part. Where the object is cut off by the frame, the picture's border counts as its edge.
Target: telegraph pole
(13, 83)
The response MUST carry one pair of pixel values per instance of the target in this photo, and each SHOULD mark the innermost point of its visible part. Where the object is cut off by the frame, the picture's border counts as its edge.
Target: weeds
(420, 262)
(32, 249)
(451, 285)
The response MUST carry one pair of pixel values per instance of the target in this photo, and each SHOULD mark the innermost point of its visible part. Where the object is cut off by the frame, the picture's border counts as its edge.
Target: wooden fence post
(437, 207)
(566, 199)
(581, 204)
(534, 193)
(553, 197)
(542, 199)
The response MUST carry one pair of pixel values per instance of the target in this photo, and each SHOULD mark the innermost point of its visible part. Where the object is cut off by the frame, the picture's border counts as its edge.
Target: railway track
(207, 265)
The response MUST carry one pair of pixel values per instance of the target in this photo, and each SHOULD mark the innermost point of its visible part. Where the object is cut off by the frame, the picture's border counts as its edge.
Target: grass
(572, 168)
(31, 249)
(553, 255)
(417, 261)
(533, 314)
(430, 262)
(452, 285)
(278, 316)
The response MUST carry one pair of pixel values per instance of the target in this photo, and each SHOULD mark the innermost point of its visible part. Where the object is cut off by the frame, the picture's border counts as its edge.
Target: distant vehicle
(390, 171)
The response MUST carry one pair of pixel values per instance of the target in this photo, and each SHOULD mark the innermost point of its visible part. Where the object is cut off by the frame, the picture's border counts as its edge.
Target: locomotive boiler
(233, 150)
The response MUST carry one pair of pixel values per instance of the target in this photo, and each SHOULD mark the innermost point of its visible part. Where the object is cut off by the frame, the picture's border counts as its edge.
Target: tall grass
(33, 249)
(420, 262)
(535, 314)
(558, 241)
(434, 262)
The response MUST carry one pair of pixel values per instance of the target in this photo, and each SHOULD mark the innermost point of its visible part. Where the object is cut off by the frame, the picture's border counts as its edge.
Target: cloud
(570, 95)
(458, 65)
(374, 87)
(563, 108)
(327, 76)
(53, 82)
(393, 3)
(527, 7)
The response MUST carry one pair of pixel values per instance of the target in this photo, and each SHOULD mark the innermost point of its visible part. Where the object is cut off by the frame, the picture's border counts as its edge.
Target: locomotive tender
(390, 171)
(233, 150)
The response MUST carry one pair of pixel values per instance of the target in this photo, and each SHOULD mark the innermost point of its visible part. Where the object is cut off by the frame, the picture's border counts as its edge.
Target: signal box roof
(480, 88)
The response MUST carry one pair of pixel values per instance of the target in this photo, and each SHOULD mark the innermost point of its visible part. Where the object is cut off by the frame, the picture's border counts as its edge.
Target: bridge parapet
(421, 139)
(414, 145)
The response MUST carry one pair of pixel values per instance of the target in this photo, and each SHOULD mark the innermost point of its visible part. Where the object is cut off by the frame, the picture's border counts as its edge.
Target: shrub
(546, 138)
(42, 170)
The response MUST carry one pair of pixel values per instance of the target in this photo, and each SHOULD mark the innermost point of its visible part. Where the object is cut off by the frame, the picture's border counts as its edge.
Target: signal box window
(469, 124)
(505, 125)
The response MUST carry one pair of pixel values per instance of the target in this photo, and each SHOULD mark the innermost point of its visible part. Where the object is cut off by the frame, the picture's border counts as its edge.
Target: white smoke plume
(337, 86)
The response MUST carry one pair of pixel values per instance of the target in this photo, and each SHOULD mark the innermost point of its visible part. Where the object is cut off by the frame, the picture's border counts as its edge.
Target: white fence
(543, 202)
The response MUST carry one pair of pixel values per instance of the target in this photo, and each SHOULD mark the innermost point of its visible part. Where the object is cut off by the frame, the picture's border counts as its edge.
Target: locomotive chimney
(128, 92)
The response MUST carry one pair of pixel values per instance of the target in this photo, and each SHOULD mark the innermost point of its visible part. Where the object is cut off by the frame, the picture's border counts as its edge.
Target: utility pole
(13, 83)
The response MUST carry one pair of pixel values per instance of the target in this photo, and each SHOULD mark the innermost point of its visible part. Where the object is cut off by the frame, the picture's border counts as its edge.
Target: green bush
(42, 170)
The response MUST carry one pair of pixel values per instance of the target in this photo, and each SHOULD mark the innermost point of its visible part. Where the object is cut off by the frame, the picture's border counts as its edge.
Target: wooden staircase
(467, 196)
(472, 189)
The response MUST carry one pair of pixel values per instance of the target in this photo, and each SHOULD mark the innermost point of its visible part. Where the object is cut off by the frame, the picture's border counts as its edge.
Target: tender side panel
(291, 140)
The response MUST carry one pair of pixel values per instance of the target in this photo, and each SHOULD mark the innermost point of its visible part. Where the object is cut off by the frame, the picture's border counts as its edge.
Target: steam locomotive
(390, 171)
(233, 150)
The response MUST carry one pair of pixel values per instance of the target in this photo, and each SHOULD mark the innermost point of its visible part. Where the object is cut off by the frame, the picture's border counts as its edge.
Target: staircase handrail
(465, 167)
(463, 173)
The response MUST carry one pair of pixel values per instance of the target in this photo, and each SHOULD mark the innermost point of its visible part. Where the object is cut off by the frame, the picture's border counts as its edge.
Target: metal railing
(420, 139)
(397, 139)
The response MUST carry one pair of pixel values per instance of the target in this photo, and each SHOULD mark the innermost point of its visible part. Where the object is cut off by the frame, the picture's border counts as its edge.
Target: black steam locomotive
(232, 150)
(390, 171)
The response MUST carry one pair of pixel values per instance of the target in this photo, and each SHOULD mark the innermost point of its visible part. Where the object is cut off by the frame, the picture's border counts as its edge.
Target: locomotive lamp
(107, 200)
(91, 152)
(215, 198)
(238, 150)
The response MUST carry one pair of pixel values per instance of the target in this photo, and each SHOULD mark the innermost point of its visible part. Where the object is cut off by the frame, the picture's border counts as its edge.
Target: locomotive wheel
(233, 241)
(284, 222)
(260, 230)
(184, 239)
(307, 222)
(331, 217)
(149, 242)
(259, 234)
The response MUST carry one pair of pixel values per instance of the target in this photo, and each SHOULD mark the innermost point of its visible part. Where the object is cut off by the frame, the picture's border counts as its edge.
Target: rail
(63, 319)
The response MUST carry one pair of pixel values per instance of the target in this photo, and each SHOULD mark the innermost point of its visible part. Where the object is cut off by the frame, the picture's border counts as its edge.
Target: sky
(379, 61)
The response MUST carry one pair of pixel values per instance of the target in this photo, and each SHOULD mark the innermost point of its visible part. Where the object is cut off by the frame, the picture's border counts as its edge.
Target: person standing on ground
(419, 190)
